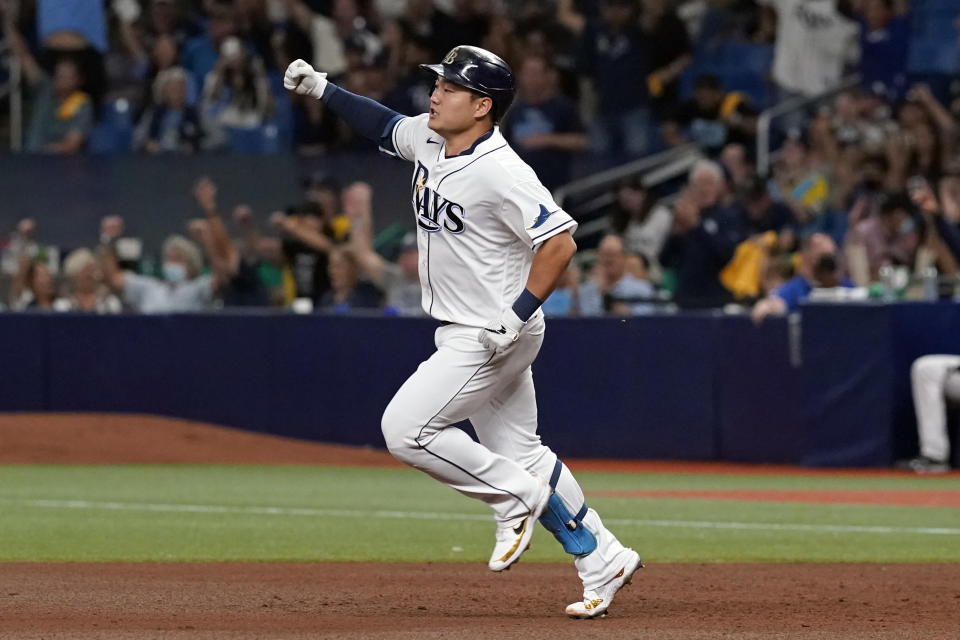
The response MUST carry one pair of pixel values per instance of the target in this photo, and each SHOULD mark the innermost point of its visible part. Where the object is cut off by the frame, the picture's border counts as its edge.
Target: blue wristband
(526, 305)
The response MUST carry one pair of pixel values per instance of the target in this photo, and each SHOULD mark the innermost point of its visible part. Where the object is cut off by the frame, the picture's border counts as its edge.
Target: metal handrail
(618, 173)
(13, 90)
(16, 106)
(787, 106)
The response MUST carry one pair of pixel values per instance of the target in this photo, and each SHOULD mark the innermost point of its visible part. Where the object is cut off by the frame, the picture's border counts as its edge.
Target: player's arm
(549, 264)
(366, 117)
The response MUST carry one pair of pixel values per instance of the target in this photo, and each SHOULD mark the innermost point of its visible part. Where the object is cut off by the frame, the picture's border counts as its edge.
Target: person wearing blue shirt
(614, 55)
(884, 41)
(819, 268)
(542, 125)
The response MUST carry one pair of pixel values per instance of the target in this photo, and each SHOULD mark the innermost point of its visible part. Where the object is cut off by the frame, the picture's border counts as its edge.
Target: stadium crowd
(863, 193)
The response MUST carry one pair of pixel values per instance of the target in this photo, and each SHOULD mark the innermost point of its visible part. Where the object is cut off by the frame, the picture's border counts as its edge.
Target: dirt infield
(413, 601)
(466, 601)
(78, 438)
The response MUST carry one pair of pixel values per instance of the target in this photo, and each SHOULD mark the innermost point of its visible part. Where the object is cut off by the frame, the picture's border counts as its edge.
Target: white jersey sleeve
(408, 134)
(530, 212)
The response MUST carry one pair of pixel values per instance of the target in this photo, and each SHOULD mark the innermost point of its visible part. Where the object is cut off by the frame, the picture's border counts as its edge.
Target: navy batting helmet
(481, 71)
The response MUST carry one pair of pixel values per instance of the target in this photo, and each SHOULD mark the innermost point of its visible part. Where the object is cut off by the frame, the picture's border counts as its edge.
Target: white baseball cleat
(513, 541)
(596, 601)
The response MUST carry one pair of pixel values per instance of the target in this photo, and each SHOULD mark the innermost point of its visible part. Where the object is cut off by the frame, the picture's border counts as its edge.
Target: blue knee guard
(566, 527)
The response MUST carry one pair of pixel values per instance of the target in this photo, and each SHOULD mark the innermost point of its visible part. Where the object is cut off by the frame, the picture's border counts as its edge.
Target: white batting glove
(301, 78)
(500, 334)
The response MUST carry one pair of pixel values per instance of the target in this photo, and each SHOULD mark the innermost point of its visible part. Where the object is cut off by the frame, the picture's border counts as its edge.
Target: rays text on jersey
(434, 212)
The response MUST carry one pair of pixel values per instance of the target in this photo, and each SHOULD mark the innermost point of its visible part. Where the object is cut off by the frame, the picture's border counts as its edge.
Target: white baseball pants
(927, 375)
(463, 380)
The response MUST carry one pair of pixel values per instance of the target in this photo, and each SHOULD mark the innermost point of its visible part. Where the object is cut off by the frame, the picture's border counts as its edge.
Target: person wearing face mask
(182, 287)
(819, 268)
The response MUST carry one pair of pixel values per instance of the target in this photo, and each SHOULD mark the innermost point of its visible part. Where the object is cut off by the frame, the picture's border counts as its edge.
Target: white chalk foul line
(427, 515)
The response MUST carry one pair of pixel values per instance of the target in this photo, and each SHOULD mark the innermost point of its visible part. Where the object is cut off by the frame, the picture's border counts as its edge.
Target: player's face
(454, 109)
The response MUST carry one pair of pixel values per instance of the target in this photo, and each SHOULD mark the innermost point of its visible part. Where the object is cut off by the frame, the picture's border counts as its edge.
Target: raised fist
(301, 78)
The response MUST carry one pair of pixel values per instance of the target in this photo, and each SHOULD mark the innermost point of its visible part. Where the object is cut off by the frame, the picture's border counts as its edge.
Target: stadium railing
(766, 117)
(587, 199)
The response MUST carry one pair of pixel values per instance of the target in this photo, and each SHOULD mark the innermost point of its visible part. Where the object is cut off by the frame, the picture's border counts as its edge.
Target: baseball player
(492, 246)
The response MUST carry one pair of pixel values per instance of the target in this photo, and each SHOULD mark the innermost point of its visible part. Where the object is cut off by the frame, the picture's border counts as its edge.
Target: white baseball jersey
(481, 215)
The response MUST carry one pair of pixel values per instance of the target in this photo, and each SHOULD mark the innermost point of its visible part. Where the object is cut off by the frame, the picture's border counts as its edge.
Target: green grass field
(287, 513)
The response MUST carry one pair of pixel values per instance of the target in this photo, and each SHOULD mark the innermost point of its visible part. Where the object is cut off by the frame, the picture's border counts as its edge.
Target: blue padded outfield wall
(832, 390)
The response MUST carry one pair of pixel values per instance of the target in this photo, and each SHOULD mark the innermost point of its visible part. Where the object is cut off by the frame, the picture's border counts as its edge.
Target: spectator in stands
(323, 190)
(542, 125)
(704, 237)
(565, 299)
(261, 282)
(888, 237)
(63, 114)
(165, 18)
(815, 42)
(712, 118)
(183, 286)
(538, 33)
(777, 271)
(934, 380)
(610, 287)
(670, 53)
(770, 229)
(171, 125)
(252, 19)
(164, 54)
(330, 34)
(940, 221)
(348, 292)
(798, 183)
(302, 250)
(244, 286)
(931, 140)
(410, 94)
(75, 29)
(399, 281)
(85, 288)
(642, 222)
(236, 94)
(463, 21)
(764, 214)
(819, 267)
(735, 160)
(201, 52)
(34, 287)
(884, 40)
(615, 58)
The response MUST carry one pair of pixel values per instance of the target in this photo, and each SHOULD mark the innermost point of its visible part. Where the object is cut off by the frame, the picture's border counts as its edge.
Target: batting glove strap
(499, 335)
(301, 78)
